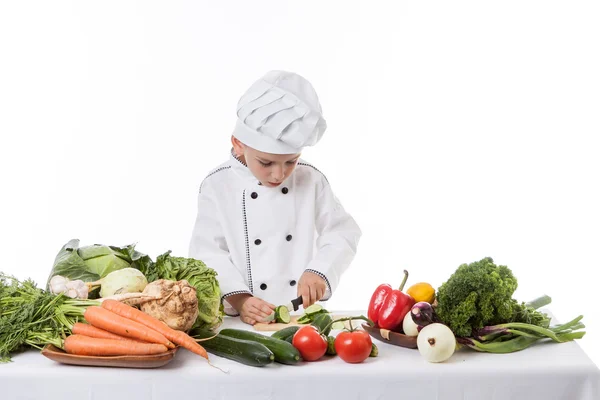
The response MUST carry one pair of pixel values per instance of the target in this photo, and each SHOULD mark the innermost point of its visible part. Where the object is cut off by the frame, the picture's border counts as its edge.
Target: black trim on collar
(238, 160)
(248, 265)
(325, 279)
(313, 167)
(211, 174)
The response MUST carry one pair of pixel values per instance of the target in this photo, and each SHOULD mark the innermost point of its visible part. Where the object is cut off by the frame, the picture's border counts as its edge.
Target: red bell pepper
(388, 307)
(377, 300)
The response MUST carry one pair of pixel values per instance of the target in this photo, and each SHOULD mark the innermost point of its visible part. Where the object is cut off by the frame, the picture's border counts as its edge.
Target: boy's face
(269, 169)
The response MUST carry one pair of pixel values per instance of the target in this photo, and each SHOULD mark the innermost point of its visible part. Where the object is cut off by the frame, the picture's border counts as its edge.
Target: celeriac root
(132, 299)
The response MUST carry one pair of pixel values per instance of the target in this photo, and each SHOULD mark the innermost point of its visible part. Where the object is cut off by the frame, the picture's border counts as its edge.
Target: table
(544, 371)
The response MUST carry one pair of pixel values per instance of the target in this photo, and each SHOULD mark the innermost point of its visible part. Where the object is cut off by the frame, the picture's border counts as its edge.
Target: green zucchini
(323, 321)
(289, 339)
(243, 351)
(285, 332)
(285, 353)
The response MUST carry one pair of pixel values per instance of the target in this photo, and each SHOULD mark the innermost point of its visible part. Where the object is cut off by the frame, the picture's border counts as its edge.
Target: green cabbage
(198, 275)
(92, 263)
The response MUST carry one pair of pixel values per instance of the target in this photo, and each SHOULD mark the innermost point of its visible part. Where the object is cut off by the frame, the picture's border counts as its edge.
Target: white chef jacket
(260, 240)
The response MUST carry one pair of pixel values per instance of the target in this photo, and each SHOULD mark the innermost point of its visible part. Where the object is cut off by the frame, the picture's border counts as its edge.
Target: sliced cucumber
(305, 319)
(338, 325)
(270, 318)
(282, 315)
(315, 308)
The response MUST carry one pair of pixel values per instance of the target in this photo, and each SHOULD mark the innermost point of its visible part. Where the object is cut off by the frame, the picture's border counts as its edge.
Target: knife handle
(297, 302)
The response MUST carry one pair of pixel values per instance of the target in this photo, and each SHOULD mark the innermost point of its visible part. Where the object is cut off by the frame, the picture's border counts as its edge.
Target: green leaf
(69, 264)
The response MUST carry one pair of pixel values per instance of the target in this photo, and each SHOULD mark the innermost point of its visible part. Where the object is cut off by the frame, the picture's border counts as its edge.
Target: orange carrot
(109, 321)
(91, 331)
(89, 346)
(177, 337)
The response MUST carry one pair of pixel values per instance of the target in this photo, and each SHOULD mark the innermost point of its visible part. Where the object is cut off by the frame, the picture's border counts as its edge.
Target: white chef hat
(280, 114)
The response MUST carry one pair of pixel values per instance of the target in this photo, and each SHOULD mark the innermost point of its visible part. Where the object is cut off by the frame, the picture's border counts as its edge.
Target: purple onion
(422, 313)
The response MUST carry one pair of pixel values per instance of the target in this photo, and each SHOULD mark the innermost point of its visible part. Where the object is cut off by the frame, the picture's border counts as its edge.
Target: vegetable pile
(85, 281)
(474, 308)
(112, 270)
(33, 317)
(477, 304)
(291, 345)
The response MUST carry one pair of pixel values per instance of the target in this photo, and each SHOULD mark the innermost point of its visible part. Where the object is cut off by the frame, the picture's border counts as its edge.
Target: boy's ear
(238, 147)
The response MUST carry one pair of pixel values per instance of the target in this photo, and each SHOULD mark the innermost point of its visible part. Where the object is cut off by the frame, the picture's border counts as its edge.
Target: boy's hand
(311, 287)
(251, 309)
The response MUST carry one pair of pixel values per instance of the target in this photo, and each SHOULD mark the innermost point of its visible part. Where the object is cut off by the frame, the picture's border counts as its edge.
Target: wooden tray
(150, 361)
(391, 337)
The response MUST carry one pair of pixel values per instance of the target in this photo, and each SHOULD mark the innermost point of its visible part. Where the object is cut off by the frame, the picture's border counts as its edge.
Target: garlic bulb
(76, 289)
(58, 284)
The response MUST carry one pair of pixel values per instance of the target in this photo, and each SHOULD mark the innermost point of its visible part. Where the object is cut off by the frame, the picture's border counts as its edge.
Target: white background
(457, 130)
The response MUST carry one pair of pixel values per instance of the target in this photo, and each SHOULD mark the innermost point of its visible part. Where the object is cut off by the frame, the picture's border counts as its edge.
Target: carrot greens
(32, 317)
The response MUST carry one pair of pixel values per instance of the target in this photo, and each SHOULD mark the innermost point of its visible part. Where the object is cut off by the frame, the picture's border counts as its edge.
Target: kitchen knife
(294, 304)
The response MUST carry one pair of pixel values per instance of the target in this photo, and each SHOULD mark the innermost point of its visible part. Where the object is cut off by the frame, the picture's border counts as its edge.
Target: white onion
(436, 342)
(408, 326)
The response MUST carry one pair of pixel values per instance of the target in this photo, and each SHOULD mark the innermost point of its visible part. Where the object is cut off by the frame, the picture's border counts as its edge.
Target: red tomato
(310, 343)
(353, 347)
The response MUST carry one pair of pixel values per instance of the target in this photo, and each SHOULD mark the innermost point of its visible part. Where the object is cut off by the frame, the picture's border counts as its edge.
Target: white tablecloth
(544, 371)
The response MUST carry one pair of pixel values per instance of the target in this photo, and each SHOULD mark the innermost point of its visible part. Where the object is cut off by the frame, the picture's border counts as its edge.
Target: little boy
(268, 222)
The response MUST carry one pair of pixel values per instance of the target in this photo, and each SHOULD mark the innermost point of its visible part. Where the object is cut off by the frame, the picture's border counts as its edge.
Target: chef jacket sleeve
(209, 245)
(338, 237)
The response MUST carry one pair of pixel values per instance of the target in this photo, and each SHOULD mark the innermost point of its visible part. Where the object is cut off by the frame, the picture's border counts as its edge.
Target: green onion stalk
(31, 317)
(516, 336)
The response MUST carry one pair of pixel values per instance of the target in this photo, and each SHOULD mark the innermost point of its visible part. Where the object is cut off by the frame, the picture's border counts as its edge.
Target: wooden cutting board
(276, 326)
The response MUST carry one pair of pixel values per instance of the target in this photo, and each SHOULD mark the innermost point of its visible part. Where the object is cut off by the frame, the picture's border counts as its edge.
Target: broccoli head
(476, 295)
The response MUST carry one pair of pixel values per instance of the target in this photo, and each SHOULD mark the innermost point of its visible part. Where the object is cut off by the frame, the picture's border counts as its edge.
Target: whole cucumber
(331, 346)
(285, 332)
(284, 352)
(243, 351)
(323, 321)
